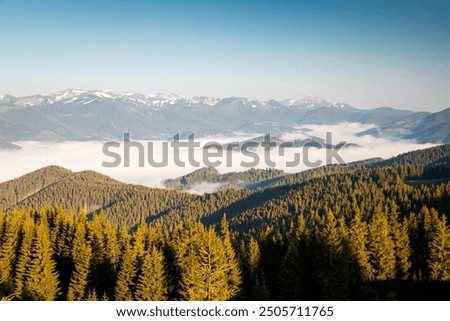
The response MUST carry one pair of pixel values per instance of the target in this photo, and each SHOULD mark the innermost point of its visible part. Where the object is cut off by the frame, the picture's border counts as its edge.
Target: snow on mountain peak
(312, 101)
(159, 100)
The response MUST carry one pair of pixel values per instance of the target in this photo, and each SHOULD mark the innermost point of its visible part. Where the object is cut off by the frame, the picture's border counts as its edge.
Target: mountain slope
(250, 179)
(434, 127)
(275, 204)
(105, 115)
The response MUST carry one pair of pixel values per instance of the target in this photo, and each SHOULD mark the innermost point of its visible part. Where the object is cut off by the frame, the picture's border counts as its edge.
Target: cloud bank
(79, 156)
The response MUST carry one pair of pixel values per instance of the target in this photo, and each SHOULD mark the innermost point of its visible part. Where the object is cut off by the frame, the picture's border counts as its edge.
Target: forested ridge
(337, 233)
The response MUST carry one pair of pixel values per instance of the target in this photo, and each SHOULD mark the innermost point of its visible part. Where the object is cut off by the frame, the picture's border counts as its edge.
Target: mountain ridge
(82, 115)
(129, 204)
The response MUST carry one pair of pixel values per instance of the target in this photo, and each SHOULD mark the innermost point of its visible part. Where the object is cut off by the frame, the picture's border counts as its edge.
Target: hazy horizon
(245, 97)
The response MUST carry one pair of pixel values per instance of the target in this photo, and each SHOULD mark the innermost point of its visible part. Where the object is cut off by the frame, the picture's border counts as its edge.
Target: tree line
(53, 254)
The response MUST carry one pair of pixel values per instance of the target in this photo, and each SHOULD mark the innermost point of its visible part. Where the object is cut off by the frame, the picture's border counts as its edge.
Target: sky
(366, 53)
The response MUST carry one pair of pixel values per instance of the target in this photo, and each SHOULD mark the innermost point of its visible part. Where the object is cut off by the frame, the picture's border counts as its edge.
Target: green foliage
(330, 257)
(439, 260)
(81, 255)
(152, 283)
(8, 246)
(255, 278)
(204, 266)
(125, 286)
(362, 232)
(381, 247)
(41, 278)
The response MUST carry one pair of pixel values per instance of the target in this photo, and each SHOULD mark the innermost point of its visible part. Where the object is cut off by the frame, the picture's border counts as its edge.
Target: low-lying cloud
(205, 188)
(79, 156)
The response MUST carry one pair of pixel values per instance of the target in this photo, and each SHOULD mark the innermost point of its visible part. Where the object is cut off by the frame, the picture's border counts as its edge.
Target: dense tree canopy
(361, 232)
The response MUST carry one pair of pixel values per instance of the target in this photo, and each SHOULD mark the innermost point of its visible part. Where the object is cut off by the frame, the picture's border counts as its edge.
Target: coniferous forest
(368, 231)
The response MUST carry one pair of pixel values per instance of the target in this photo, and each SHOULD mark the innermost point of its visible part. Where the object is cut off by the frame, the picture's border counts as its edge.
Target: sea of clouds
(78, 156)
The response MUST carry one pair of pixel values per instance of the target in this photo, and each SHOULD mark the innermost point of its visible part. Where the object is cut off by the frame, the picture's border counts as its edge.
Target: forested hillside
(251, 179)
(367, 231)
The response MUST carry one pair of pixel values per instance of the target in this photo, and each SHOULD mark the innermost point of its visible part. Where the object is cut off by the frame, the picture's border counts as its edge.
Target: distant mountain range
(105, 115)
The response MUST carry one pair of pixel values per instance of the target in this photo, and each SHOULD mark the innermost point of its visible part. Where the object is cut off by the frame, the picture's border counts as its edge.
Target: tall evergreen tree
(28, 234)
(256, 281)
(152, 282)
(8, 247)
(233, 271)
(439, 259)
(125, 285)
(41, 279)
(381, 247)
(293, 278)
(331, 260)
(359, 255)
(400, 237)
(421, 229)
(203, 265)
(81, 255)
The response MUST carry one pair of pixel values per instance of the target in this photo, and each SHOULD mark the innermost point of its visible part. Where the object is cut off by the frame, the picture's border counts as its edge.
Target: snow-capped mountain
(84, 97)
(75, 114)
(313, 102)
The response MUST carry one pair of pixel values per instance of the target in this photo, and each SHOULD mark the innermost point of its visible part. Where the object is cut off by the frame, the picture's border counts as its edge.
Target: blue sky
(366, 53)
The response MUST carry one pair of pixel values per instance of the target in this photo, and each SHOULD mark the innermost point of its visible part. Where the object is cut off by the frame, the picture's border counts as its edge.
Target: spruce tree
(8, 248)
(125, 285)
(41, 279)
(421, 229)
(381, 247)
(256, 281)
(204, 267)
(233, 271)
(152, 281)
(360, 268)
(439, 260)
(28, 234)
(2, 225)
(293, 279)
(331, 260)
(402, 248)
(81, 255)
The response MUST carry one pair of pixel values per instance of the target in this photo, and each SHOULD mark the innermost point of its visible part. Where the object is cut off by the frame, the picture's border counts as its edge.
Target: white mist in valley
(78, 156)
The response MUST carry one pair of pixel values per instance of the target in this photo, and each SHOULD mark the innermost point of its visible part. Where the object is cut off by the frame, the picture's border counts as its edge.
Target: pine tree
(81, 255)
(233, 271)
(381, 247)
(402, 249)
(8, 247)
(25, 253)
(293, 279)
(41, 279)
(125, 285)
(92, 295)
(155, 236)
(62, 232)
(2, 224)
(439, 260)
(203, 265)
(421, 229)
(140, 241)
(152, 282)
(105, 254)
(360, 268)
(331, 261)
(256, 281)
